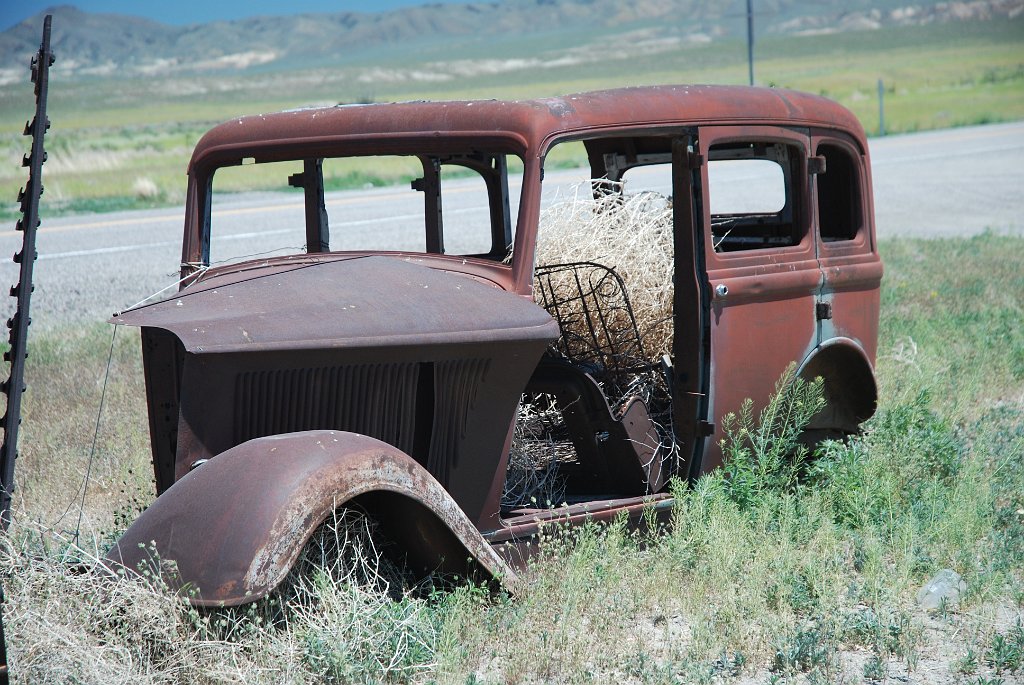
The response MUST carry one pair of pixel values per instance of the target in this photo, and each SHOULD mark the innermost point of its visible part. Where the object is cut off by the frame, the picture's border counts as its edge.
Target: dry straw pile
(344, 615)
(630, 233)
(533, 478)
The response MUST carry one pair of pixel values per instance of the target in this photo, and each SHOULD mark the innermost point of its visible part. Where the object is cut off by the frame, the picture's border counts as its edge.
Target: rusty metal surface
(528, 522)
(616, 453)
(525, 124)
(432, 362)
(851, 393)
(765, 302)
(234, 526)
(525, 128)
(360, 302)
(429, 354)
(519, 541)
(487, 272)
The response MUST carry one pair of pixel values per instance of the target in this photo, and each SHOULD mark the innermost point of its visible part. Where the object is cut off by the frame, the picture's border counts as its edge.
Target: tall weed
(765, 456)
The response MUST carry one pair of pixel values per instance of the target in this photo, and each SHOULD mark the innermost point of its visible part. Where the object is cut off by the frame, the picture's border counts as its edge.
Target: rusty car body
(282, 388)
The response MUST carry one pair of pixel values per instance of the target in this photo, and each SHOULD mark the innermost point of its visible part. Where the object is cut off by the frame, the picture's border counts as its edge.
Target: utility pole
(750, 39)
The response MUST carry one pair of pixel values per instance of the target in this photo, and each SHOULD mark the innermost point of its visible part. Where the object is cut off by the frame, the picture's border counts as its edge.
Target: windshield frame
(198, 229)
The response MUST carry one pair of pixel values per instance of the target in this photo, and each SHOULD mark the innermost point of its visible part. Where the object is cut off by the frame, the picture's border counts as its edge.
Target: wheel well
(424, 542)
(849, 385)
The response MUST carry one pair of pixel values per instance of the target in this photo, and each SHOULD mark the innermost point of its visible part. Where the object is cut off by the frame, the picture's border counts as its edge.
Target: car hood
(363, 302)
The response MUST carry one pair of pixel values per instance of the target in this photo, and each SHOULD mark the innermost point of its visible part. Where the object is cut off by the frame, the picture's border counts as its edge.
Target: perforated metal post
(28, 197)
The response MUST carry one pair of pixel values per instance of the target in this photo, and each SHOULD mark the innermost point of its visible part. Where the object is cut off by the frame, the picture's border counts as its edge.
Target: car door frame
(762, 300)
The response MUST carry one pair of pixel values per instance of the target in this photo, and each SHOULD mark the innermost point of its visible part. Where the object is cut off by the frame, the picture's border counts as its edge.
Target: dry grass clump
(65, 374)
(66, 622)
(346, 548)
(350, 610)
(145, 188)
(343, 616)
(533, 478)
(630, 233)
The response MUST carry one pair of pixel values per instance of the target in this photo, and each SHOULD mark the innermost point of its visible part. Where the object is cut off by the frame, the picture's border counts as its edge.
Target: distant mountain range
(101, 44)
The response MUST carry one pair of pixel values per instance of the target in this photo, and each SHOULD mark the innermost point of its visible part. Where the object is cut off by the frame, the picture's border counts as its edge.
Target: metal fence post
(881, 108)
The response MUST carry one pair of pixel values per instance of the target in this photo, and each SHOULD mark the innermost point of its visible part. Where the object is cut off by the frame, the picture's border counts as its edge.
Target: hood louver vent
(379, 400)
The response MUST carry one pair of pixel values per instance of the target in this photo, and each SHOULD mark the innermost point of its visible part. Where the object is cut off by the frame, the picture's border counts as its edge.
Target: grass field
(762, 578)
(121, 144)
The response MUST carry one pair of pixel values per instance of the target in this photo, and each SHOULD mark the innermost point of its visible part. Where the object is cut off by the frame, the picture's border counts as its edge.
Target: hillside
(144, 47)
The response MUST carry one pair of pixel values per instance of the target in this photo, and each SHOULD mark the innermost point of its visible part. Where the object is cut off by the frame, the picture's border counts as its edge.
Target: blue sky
(199, 11)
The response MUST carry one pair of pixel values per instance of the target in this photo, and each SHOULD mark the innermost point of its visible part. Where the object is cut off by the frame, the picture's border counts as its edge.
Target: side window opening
(840, 215)
(754, 194)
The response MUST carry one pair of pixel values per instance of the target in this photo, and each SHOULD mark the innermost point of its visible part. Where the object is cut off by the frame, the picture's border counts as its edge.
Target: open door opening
(613, 408)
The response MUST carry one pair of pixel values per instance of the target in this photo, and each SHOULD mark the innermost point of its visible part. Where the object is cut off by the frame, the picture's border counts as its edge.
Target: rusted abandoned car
(388, 367)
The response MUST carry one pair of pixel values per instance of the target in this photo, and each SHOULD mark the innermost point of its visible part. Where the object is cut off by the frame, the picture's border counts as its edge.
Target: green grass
(108, 135)
(770, 570)
(972, 315)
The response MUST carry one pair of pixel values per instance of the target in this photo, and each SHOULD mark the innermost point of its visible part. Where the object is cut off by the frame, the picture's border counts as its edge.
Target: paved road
(934, 184)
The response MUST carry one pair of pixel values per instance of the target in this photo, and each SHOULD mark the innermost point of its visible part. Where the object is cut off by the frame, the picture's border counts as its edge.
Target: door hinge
(823, 310)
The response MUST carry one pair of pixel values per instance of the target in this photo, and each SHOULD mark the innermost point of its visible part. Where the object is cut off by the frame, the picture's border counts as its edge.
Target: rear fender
(851, 393)
(235, 526)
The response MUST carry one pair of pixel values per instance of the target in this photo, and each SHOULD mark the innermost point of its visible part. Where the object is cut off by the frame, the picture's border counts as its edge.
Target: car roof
(523, 126)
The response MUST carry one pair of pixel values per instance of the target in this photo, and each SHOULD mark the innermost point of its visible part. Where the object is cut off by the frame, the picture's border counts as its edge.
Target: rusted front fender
(235, 525)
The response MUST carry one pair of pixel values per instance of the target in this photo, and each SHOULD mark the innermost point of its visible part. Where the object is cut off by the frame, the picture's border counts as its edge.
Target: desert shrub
(357, 635)
(911, 477)
(808, 648)
(1006, 652)
(350, 610)
(1001, 433)
(765, 456)
(907, 455)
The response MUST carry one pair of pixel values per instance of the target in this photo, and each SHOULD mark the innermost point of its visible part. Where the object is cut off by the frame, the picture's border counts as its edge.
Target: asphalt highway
(955, 182)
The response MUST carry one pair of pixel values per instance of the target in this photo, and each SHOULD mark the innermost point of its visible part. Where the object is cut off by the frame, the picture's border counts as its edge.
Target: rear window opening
(753, 196)
(840, 215)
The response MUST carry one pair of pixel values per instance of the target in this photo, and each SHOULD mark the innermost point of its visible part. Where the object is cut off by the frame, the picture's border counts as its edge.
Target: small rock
(946, 585)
